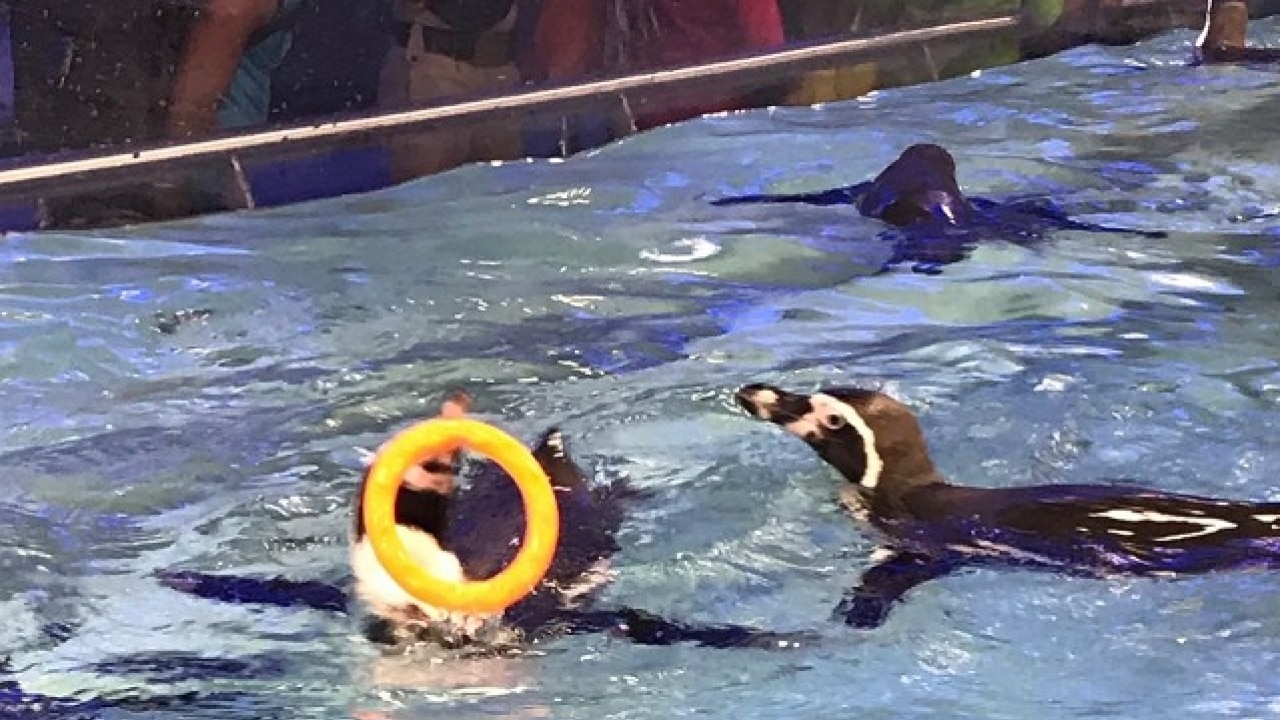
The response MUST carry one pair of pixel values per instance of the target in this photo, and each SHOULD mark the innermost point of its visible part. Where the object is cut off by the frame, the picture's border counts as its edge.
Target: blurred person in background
(89, 74)
(223, 77)
(450, 49)
(101, 74)
(576, 39)
(222, 82)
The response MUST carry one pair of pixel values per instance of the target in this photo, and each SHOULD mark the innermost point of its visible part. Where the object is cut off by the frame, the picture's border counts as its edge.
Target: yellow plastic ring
(542, 515)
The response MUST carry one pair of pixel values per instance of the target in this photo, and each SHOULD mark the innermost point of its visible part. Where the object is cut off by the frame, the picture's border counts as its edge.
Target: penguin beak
(775, 405)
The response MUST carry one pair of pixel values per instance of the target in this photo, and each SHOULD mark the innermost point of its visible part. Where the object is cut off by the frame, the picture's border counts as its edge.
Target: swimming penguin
(472, 533)
(931, 527)
(937, 224)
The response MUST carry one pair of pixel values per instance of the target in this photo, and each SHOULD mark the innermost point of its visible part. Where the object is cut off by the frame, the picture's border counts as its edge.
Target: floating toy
(542, 515)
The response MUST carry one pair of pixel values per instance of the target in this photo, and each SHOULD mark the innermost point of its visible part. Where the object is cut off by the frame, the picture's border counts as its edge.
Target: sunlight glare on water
(193, 394)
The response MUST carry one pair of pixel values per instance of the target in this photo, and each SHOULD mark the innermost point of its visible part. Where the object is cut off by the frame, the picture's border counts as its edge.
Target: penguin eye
(834, 421)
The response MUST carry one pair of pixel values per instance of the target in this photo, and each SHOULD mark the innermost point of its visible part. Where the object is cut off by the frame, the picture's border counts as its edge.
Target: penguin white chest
(386, 598)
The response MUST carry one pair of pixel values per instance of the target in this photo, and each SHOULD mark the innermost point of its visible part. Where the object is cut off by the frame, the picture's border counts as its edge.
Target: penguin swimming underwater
(936, 223)
(473, 532)
(932, 527)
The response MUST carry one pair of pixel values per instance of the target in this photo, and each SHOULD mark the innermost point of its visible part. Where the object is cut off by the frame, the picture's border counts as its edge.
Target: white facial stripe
(1207, 525)
(826, 405)
(1266, 518)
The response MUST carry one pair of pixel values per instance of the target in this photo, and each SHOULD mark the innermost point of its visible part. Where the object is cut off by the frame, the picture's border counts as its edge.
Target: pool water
(193, 395)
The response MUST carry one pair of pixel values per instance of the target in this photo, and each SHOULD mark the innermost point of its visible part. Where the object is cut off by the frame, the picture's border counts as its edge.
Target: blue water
(605, 295)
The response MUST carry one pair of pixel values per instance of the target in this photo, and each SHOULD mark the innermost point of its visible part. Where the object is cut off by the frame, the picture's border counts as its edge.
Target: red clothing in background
(570, 43)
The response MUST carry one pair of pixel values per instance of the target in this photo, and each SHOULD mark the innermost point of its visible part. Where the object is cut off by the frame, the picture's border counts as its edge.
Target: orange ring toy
(542, 515)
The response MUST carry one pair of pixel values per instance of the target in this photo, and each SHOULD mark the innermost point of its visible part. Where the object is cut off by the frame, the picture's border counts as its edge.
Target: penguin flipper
(280, 592)
(645, 628)
(1052, 215)
(848, 195)
(867, 606)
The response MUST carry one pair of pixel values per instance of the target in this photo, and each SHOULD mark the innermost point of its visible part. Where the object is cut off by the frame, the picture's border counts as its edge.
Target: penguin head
(873, 440)
(919, 187)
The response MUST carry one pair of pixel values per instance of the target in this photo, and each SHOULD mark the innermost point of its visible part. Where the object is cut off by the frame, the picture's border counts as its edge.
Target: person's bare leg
(1225, 23)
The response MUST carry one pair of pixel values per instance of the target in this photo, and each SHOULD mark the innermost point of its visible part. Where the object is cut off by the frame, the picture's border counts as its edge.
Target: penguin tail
(836, 196)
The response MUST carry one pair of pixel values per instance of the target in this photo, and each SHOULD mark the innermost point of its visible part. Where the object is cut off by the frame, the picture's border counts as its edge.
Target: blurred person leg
(432, 63)
(224, 77)
(500, 139)
(408, 81)
(223, 82)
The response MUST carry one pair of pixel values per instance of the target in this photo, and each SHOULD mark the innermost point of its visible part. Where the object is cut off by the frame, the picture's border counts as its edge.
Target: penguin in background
(934, 223)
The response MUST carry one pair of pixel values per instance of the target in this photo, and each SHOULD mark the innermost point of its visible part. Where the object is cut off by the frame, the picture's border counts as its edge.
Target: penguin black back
(488, 517)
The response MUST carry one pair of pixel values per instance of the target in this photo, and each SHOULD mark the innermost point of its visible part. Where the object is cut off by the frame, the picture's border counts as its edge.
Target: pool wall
(324, 145)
